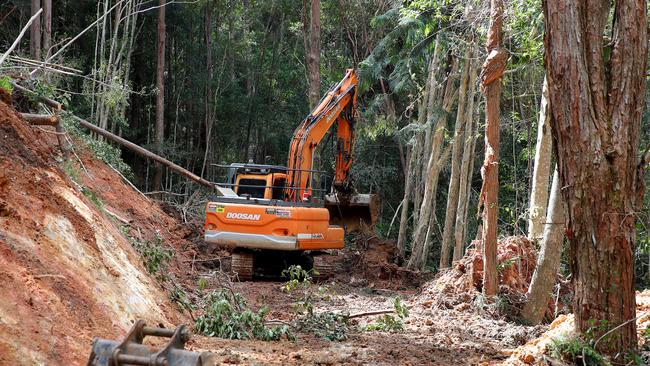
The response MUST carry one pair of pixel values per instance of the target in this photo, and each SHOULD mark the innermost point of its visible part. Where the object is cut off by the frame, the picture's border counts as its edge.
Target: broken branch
(20, 36)
(369, 313)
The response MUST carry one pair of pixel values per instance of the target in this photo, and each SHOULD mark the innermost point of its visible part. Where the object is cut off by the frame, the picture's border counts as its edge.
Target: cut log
(40, 119)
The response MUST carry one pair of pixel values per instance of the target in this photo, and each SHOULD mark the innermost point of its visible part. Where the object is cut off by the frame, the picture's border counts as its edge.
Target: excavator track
(322, 268)
(242, 264)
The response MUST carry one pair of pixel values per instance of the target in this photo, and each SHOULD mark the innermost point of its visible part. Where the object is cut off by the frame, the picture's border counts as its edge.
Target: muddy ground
(70, 272)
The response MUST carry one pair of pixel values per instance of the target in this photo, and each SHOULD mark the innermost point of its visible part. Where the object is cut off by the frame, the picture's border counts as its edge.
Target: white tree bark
(435, 160)
(466, 169)
(415, 151)
(454, 179)
(548, 261)
(541, 171)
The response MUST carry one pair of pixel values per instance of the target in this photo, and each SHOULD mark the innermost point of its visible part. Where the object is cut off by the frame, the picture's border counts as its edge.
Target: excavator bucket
(132, 351)
(353, 211)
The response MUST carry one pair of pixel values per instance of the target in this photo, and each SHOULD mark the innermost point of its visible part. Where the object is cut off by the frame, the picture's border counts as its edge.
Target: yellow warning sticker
(221, 209)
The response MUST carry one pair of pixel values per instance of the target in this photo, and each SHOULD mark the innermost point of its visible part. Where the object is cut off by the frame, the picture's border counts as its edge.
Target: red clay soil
(68, 273)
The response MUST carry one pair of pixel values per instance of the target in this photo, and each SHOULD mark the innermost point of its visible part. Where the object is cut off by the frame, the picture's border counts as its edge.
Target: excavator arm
(339, 105)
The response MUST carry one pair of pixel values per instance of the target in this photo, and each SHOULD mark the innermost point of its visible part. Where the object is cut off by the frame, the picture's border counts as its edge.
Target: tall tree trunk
(160, 95)
(422, 148)
(436, 159)
(413, 156)
(208, 117)
(420, 251)
(597, 94)
(404, 215)
(35, 33)
(312, 51)
(493, 69)
(466, 167)
(454, 179)
(541, 171)
(548, 260)
(47, 27)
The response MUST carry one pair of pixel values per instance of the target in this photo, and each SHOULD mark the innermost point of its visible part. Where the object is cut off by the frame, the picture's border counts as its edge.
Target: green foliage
(577, 351)
(227, 315)
(92, 197)
(389, 323)
(109, 154)
(298, 277)
(525, 23)
(202, 284)
(155, 256)
(581, 349)
(507, 263)
(178, 296)
(69, 167)
(326, 325)
(5, 84)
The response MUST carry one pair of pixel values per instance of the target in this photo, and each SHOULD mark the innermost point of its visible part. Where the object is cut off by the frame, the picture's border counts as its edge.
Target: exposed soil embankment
(67, 271)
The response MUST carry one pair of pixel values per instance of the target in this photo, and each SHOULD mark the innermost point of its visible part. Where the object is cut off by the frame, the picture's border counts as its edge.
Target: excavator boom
(338, 105)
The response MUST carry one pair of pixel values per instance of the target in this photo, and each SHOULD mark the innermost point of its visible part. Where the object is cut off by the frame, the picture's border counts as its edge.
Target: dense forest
(476, 120)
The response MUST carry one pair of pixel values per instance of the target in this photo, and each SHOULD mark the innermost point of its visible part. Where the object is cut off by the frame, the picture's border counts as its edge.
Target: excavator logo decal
(243, 216)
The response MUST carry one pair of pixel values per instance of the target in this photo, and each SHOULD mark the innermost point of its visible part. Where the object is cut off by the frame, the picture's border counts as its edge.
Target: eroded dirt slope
(67, 271)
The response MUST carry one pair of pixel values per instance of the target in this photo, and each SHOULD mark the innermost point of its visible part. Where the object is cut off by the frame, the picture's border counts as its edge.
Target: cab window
(278, 188)
(251, 187)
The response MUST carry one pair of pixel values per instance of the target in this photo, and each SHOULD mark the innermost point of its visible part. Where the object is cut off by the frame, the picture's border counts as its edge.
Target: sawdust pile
(68, 272)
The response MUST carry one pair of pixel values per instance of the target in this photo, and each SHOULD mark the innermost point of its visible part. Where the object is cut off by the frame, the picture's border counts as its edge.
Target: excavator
(266, 210)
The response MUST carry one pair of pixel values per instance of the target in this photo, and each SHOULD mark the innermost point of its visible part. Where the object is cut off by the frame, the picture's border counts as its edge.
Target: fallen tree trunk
(144, 152)
(48, 120)
(118, 140)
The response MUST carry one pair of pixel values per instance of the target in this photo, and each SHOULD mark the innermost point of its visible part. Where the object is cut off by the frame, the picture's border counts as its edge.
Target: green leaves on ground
(227, 315)
(388, 322)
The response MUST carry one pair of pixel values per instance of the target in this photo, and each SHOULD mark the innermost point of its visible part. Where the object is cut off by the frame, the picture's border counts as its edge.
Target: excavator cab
(256, 180)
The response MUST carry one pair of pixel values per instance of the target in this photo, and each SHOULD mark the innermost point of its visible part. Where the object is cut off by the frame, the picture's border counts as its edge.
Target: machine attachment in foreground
(131, 350)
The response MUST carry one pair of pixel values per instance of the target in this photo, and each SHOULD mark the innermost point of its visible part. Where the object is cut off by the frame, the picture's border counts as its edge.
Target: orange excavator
(284, 213)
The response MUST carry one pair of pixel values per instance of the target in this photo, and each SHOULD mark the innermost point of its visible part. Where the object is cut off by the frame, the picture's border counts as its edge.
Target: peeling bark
(414, 155)
(493, 69)
(435, 160)
(466, 170)
(596, 106)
